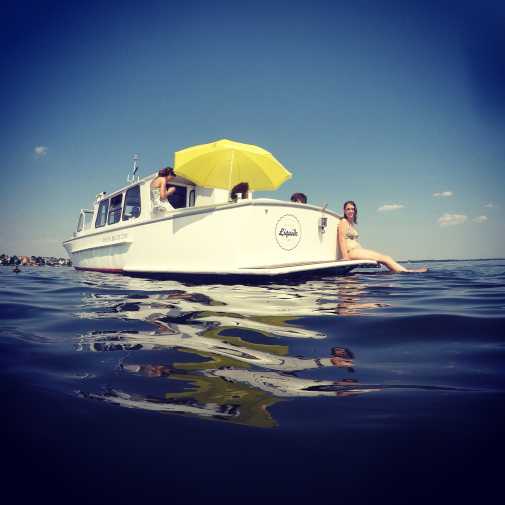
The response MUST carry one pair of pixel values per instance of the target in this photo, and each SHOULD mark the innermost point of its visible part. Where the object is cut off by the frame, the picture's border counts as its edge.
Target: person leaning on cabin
(299, 198)
(160, 189)
(351, 249)
(240, 189)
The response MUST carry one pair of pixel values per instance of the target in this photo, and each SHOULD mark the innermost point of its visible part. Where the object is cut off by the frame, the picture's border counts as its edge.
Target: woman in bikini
(351, 249)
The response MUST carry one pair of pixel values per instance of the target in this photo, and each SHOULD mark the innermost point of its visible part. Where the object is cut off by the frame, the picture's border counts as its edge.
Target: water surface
(359, 387)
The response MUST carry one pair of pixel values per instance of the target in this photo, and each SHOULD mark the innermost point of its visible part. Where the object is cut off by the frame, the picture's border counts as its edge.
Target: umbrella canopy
(225, 163)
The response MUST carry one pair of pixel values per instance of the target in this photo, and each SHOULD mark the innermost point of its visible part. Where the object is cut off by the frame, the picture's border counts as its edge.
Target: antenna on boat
(131, 176)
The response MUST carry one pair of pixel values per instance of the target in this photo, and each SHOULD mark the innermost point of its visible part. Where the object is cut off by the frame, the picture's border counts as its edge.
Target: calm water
(367, 387)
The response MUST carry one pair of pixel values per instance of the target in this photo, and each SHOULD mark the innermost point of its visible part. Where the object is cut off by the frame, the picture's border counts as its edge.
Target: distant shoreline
(36, 261)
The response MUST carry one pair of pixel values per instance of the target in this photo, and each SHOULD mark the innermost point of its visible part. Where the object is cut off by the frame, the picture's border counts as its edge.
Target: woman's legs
(366, 254)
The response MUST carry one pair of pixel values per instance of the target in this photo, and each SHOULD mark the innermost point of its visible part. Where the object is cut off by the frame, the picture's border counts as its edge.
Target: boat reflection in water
(223, 352)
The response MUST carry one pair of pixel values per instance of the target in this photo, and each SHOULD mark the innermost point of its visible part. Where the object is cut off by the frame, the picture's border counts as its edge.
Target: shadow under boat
(277, 274)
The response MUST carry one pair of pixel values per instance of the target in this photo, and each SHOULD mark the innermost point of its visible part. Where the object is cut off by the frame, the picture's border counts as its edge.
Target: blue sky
(386, 103)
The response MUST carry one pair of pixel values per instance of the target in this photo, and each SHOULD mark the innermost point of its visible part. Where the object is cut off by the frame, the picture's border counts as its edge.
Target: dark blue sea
(366, 388)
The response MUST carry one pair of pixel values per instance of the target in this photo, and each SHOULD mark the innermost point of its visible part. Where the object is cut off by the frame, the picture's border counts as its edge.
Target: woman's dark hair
(242, 187)
(355, 210)
(299, 197)
(164, 172)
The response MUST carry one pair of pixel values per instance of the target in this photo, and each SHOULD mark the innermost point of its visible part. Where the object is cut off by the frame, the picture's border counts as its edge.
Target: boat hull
(260, 238)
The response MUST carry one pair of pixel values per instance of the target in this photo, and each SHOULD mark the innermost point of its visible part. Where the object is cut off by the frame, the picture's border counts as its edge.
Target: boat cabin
(134, 202)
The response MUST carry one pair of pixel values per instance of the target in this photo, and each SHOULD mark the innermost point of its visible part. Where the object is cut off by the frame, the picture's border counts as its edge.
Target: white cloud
(479, 219)
(490, 205)
(451, 219)
(40, 151)
(390, 206)
(443, 194)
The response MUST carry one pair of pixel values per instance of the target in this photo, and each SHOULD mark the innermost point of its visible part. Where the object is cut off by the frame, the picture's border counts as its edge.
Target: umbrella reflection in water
(240, 337)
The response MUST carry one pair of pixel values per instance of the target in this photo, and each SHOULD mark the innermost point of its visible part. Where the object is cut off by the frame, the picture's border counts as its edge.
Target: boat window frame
(192, 198)
(125, 217)
(80, 222)
(87, 222)
(102, 204)
(115, 211)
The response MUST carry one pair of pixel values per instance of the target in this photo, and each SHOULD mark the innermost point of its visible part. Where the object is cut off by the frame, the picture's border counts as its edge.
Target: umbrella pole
(231, 168)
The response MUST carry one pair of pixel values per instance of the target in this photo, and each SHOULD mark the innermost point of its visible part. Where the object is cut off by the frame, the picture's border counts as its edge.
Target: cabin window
(178, 199)
(132, 203)
(101, 217)
(115, 208)
(192, 196)
(85, 220)
(88, 219)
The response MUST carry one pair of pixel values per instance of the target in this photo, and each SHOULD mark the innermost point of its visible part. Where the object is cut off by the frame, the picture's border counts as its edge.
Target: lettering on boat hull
(288, 232)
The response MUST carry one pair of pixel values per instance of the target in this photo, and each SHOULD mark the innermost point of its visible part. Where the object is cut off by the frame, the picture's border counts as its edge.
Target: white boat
(203, 232)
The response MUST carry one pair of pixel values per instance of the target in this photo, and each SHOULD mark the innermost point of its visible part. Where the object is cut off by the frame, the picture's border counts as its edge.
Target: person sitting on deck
(161, 190)
(240, 189)
(299, 198)
(351, 249)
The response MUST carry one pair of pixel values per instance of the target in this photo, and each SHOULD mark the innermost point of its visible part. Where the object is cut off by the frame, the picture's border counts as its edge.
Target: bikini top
(351, 233)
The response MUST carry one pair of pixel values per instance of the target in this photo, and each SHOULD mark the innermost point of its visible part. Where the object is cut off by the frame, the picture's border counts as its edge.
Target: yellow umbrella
(225, 163)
